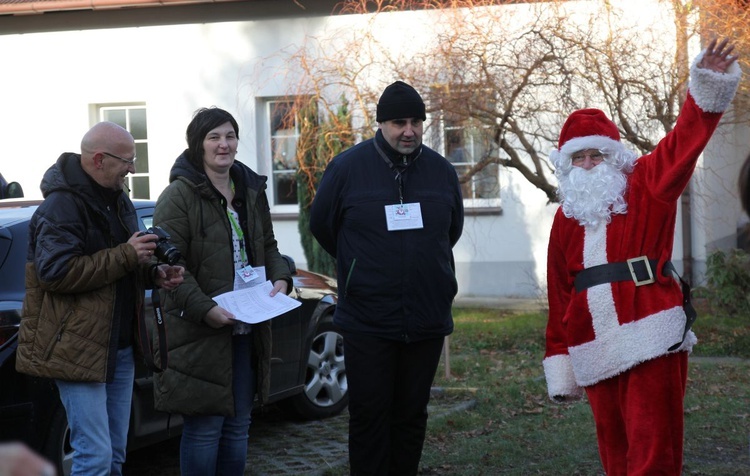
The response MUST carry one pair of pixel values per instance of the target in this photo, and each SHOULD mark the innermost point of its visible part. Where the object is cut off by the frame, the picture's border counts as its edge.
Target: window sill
(483, 211)
(284, 216)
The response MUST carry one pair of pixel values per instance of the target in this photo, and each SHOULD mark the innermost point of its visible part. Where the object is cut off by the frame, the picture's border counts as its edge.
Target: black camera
(165, 251)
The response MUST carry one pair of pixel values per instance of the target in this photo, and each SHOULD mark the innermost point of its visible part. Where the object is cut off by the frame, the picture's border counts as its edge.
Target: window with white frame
(283, 131)
(133, 118)
(467, 143)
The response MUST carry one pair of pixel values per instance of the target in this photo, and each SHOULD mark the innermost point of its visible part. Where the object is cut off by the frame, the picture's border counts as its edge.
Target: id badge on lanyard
(403, 216)
(247, 274)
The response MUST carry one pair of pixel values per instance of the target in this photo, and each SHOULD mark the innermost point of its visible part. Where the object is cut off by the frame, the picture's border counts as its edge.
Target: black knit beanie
(400, 101)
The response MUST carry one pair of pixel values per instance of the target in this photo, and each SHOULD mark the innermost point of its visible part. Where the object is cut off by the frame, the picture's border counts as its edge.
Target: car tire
(57, 446)
(326, 390)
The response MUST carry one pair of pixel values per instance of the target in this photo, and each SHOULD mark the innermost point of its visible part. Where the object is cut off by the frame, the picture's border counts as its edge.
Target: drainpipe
(687, 236)
(682, 61)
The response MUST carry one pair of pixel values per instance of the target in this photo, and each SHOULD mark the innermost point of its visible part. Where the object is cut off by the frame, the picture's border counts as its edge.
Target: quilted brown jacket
(198, 380)
(69, 326)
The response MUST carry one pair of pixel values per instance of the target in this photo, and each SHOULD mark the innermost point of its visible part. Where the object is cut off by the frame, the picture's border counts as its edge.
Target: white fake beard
(593, 196)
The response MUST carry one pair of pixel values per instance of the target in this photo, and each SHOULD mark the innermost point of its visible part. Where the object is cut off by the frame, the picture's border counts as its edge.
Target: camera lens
(167, 253)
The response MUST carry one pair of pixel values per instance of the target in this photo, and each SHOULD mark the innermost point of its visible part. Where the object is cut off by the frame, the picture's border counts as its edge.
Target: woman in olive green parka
(217, 214)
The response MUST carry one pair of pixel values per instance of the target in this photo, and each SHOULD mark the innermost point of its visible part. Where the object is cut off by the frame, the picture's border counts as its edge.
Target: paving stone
(283, 447)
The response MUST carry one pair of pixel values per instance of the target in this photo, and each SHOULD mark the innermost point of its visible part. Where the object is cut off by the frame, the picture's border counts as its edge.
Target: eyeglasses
(595, 157)
(127, 161)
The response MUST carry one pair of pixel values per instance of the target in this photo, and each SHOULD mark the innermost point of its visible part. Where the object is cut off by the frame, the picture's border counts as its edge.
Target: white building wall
(177, 69)
(717, 212)
(506, 254)
(51, 79)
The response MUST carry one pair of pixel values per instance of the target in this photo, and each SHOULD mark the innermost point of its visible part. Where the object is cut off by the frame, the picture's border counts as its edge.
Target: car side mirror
(13, 190)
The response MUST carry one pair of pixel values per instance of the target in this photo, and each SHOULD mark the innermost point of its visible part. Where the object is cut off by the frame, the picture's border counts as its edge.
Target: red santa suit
(612, 339)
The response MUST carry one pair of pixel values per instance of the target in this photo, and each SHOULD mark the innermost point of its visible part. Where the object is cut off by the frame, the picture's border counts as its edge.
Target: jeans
(389, 389)
(99, 417)
(215, 444)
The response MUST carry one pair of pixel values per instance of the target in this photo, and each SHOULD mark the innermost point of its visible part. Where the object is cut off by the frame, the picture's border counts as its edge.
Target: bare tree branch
(515, 71)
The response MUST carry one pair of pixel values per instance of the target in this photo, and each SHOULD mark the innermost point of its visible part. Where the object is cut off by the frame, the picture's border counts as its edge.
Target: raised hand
(718, 57)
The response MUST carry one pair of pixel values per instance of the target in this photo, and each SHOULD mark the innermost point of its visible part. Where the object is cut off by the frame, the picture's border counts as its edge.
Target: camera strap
(161, 331)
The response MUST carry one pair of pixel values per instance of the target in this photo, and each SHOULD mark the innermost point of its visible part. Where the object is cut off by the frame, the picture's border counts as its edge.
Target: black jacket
(84, 284)
(394, 284)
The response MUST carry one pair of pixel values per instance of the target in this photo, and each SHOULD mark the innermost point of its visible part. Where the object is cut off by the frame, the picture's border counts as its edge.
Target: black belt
(640, 270)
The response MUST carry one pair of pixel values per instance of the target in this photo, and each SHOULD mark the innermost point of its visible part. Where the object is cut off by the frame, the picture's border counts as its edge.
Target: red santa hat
(589, 125)
(586, 129)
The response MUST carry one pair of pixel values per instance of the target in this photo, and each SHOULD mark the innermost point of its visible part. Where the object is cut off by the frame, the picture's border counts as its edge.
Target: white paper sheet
(254, 305)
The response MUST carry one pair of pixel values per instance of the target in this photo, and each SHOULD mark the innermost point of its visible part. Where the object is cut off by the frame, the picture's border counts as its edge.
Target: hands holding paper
(279, 285)
(219, 317)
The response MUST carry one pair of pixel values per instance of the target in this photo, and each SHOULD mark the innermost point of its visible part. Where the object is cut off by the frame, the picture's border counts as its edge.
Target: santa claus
(617, 327)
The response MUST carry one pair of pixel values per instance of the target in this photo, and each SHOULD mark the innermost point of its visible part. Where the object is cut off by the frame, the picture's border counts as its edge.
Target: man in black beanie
(390, 210)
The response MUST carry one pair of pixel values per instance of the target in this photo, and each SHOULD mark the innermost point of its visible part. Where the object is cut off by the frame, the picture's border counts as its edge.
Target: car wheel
(326, 390)
(57, 446)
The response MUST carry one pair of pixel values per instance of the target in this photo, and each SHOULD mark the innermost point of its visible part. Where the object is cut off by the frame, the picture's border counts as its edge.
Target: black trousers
(389, 388)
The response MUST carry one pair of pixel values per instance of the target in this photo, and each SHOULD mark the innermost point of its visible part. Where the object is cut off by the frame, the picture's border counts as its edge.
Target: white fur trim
(595, 245)
(713, 91)
(560, 379)
(688, 343)
(628, 345)
(618, 347)
(562, 156)
(589, 142)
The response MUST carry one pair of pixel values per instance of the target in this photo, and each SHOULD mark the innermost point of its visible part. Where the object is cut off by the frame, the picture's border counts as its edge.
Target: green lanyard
(238, 231)
(240, 236)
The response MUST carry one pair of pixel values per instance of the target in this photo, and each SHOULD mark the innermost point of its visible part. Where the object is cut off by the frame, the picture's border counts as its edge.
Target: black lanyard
(399, 171)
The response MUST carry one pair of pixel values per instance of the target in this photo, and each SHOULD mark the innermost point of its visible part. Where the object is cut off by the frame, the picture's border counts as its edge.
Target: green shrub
(728, 281)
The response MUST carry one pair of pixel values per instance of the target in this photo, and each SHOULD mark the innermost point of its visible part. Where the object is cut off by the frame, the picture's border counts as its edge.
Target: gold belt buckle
(650, 279)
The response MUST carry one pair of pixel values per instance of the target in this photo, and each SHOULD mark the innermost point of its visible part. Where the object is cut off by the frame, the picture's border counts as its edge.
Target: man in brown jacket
(87, 268)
